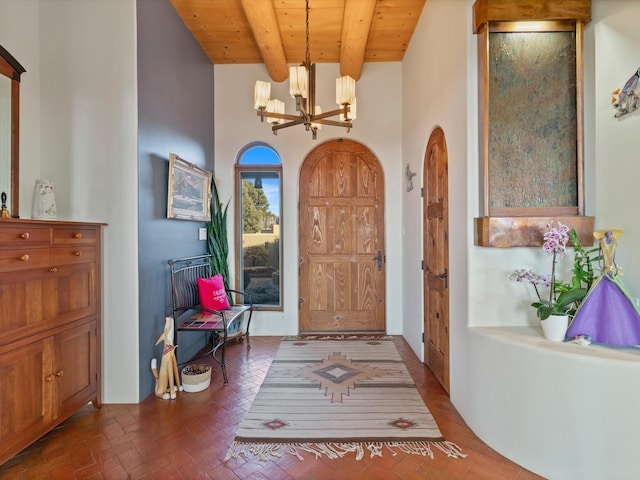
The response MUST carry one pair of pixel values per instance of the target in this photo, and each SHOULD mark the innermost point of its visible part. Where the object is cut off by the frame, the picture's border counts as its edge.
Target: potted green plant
(563, 298)
(217, 242)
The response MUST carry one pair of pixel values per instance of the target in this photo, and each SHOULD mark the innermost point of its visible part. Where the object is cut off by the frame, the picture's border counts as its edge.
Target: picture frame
(189, 195)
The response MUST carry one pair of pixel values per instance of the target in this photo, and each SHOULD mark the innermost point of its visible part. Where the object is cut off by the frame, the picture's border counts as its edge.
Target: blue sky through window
(263, 155)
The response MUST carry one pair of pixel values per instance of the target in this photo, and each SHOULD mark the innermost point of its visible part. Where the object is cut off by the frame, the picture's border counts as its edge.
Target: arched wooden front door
(341, 246)
(436, 257)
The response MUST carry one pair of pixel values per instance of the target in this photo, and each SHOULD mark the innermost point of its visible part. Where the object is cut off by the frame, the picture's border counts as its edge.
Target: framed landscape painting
(189, 196)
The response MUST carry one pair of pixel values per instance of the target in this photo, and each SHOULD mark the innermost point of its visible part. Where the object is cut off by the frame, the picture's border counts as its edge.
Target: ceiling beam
(355, 32)
(262, 20)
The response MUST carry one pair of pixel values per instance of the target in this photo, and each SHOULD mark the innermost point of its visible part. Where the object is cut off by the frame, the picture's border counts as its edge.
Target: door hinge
(422, 337)
(422, 191)
(422, 264)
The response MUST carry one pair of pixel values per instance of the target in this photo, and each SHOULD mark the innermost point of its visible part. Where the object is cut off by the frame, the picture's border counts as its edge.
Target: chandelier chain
(307, 57)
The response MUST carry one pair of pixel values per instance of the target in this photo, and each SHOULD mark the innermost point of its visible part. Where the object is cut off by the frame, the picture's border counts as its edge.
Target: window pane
(260, 263)
(259, 155)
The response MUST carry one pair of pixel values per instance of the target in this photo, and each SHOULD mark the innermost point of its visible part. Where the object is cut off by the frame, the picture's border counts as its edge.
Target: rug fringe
(333, 450)
(337, 337)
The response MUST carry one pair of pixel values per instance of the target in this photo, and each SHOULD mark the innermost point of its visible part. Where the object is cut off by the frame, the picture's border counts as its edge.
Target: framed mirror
(10, 71)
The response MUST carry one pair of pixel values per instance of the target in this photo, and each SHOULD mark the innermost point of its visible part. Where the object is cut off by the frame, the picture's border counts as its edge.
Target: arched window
(259, 225)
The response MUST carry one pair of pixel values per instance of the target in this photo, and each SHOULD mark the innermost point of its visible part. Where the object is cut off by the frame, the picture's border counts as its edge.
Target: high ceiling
(272, 32)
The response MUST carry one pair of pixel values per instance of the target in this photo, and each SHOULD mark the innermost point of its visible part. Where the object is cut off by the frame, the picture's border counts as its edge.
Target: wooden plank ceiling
(349, 32)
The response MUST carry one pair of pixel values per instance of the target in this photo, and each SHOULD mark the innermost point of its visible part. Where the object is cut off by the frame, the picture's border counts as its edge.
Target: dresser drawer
(73, 254)
(18, 236)
(71, 236)
(25, 258)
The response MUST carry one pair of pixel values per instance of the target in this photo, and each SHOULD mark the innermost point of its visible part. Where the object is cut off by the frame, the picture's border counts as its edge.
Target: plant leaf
(567, 298)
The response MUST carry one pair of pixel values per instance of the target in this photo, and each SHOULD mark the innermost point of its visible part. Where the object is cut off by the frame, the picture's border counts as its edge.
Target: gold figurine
(4, 213)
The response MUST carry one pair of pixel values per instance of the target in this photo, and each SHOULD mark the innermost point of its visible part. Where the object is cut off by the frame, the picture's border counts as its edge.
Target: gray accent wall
(175, 115)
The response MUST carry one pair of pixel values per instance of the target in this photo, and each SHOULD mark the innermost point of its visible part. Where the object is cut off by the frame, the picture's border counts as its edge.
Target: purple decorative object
(607, 315)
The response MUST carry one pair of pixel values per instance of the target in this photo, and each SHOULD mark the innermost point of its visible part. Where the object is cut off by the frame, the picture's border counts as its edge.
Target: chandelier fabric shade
(299, 81)
(345, 90)
(261, 94)
(302, 86)
(275, 106)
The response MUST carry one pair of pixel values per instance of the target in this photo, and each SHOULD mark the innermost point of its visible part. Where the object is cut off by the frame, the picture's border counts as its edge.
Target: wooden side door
(436, 257)
(341, 244)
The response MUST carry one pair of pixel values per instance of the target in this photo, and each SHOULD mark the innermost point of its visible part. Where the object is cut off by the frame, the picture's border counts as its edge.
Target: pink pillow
(212, 293)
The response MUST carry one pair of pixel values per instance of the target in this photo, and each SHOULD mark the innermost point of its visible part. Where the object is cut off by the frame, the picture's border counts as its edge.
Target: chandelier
(302, 87)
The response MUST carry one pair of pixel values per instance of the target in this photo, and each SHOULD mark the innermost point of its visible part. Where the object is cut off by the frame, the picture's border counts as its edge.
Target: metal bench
(226, 325)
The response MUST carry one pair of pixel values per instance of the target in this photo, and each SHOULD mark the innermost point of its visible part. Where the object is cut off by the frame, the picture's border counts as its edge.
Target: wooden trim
(483, 116)
(237, 220)
(15, 148)
(5, 68)
(529, 10)
(533, 211)
(526, 231)
(10, 64)
(529, 27)
(12, 69)
(580, 115)
(509, 23)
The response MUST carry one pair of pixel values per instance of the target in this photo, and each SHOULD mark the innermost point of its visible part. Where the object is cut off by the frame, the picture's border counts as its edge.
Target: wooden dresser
(49, 326)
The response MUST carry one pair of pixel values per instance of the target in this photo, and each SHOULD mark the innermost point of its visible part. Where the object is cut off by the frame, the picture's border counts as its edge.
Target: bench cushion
(212, 293)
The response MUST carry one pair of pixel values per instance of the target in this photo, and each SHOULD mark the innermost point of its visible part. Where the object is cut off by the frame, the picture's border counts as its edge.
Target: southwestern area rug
(335, 395)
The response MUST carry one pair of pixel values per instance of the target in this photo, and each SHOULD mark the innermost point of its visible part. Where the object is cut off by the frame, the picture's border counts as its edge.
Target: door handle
(378, 258)
(444, 275)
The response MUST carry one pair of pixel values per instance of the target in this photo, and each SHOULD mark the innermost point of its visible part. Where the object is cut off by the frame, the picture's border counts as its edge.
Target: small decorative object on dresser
(44, 201)
(49, 326)
(4, 212)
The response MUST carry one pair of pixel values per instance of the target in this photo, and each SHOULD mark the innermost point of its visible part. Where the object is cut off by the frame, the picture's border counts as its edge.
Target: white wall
(617, 142)
(435, 94)
(499, 384)
(378, 126)
(16, 18)
(79, 129)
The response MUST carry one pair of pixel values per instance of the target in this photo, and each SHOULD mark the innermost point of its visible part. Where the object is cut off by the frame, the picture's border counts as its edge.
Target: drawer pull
(53, 269)
(77, 235)
(59, 373)
(24, 258)
(77, 253)
(49, 378)
(24, 235)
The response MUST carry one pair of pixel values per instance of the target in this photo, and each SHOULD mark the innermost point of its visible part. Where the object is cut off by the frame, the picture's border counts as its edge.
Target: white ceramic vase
(555, 327)
(44, 201)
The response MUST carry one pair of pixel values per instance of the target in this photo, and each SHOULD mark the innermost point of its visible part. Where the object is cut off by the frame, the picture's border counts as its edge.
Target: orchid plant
(563, 298)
